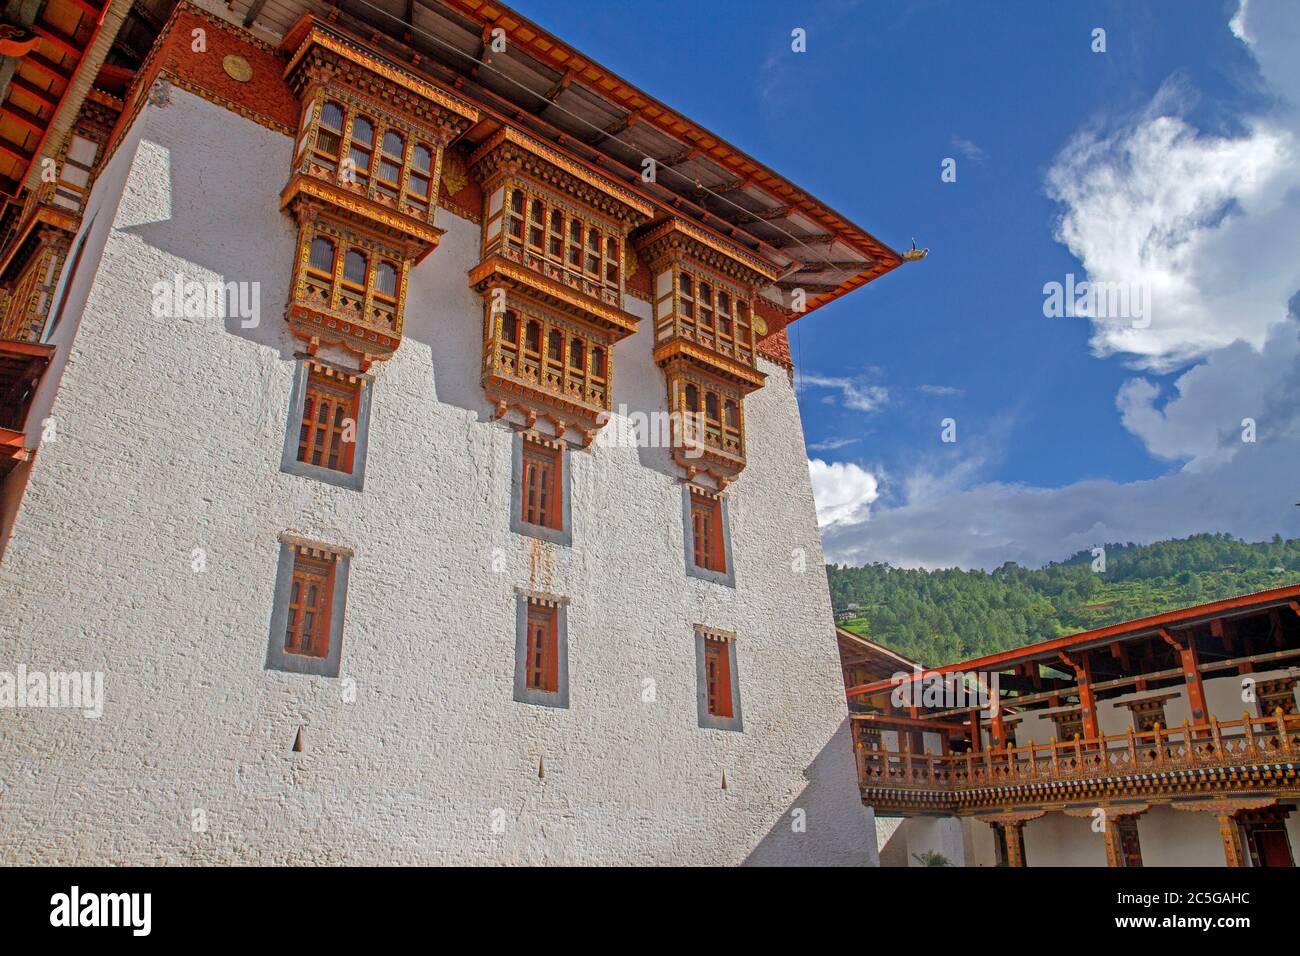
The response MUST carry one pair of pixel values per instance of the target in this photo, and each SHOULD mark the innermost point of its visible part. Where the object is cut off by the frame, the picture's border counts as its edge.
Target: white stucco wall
(1058, 840)
(1172, 837)
(935, 835)
(981, 844)
(170, 434)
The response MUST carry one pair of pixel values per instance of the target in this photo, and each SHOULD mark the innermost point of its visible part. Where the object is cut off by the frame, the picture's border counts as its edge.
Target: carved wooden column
(1228, 812)
(1231, 836)
(1191, 675)
(1087, 703)
(1110, 830)
(997, 731)
(1012, 824)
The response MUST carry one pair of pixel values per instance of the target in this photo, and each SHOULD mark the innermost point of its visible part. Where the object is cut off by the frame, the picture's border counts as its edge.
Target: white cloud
(1202, 424)
(844, 492)
(857, 395)
(1199, 222)
(1211, 223)
(831, 444)
(1253, 496)
(1208, 223)
(968, 148)
(941, 391)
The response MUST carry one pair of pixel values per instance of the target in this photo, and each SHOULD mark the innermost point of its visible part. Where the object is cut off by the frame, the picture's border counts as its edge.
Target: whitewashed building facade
(371, 572)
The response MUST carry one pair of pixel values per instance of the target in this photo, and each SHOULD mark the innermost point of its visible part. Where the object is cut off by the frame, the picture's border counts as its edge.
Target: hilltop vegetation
(937, 617)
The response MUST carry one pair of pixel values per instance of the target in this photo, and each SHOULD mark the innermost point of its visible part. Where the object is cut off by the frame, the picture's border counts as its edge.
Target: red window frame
(330, 401)
(717, 676)
(311, 600)
(706, 533)
(542, 663)
(540, 499)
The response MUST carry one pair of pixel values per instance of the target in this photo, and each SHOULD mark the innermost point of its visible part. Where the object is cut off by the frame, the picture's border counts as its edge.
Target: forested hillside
(937, 617)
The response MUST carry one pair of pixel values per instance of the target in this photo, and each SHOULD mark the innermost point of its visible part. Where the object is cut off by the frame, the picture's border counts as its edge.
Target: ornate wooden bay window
(705, 327)
(38, 239)
(363, 187)
(551, 278)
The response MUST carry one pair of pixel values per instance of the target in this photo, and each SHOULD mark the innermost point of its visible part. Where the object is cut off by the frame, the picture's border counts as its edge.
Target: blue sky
(1169, 162)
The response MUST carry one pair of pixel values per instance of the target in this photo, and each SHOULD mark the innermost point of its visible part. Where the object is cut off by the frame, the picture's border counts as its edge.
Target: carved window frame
(302, 562)
(310, 373)
(719, 568)
(525, 446)
(531, 608)
(710, 642)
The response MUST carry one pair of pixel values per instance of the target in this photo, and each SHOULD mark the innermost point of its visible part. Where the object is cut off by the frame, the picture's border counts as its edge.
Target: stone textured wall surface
(169, 435)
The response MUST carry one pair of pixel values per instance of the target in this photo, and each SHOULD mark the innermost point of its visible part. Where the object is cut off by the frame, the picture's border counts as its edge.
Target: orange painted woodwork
(541, 500)
(329, 416)
(1047, 649)
(1186, 650)
(552, 271)
(717, 677)
(706, 532)
(542, 665)
(310, 598)
(363, 186)
(704, 333)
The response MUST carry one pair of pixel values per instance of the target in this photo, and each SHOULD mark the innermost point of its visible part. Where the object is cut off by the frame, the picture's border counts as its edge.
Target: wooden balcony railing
(1248, 741)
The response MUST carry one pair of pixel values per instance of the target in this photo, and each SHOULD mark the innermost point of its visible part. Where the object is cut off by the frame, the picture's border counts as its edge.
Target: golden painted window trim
(531, 397)
(311, 32)
(635, 208)
(328, 324)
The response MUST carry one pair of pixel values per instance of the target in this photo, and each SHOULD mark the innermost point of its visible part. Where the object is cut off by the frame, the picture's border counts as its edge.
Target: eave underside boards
(42, 78)
(567, 100)
(21, 366)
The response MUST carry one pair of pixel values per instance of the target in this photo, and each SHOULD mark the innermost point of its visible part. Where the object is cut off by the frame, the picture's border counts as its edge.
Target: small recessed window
(540, 667)
(307, 619)
(708, 538)
(329, 418)
(541, 485)
(542, 650)
(717, 678)
(329, 421)
(706, 526)
(307, 630)
(719, 687)
(540, 489)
